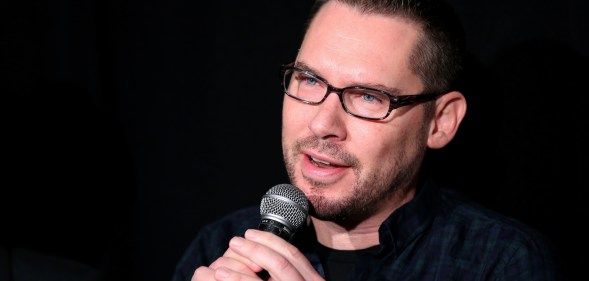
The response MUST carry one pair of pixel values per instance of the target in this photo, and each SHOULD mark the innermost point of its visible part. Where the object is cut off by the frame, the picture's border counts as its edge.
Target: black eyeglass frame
(395, 101)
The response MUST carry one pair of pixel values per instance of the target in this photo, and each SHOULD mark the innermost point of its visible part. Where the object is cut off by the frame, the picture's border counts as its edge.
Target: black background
(129, 124)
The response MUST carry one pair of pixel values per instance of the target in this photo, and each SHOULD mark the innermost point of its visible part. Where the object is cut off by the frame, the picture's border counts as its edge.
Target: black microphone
(283, 210)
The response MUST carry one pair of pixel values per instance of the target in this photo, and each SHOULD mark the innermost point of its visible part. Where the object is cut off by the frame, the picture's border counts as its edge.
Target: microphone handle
(275, 227)
(278, 229)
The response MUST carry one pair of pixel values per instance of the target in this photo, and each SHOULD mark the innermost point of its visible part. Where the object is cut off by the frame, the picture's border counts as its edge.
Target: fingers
(203, 273)
(236, 262)
(281, 259)
(225, 274)
(278, 267)
(290, 252)
(220, 274)
(258, 251)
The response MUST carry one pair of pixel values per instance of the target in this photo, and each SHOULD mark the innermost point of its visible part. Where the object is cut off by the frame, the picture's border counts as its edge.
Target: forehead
(359, 46)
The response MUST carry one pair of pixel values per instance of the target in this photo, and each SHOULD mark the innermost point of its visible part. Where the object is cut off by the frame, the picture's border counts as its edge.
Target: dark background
(129, 124)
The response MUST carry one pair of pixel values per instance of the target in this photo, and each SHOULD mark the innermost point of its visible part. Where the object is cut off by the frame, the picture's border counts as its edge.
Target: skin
(377, 161)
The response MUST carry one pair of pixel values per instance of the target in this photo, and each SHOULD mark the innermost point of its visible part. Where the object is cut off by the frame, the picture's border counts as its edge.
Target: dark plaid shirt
(439, 235)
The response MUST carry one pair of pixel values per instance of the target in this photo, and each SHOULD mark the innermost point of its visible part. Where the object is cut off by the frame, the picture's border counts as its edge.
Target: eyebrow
(391, 90)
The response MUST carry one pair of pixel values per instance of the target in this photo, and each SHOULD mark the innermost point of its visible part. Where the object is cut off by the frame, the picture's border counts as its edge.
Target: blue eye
(368, 97)
(311, 81)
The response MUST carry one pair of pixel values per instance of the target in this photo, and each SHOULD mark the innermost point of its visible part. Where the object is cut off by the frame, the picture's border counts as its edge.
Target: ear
(449, 112)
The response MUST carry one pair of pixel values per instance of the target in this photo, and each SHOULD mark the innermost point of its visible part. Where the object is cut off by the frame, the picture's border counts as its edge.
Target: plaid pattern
(440, 235)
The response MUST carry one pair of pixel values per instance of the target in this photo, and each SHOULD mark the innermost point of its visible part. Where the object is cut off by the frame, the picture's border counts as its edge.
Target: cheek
(379, 146)
(294, 119)
(371, 143)
(379, 150)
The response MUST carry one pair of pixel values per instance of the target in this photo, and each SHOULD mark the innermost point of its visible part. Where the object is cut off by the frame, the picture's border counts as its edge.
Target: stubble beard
(369, 191)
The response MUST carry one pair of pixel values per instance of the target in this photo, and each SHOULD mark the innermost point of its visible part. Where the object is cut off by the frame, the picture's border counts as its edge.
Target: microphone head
(285, 204)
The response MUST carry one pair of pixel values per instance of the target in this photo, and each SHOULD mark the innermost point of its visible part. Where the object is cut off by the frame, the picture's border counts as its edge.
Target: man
(370, 91)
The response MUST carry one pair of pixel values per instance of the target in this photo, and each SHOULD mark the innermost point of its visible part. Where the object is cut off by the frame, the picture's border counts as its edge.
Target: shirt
(438, 235)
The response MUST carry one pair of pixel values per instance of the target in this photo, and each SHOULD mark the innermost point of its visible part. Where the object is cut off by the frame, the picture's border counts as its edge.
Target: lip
(324, 158)
(321, 173)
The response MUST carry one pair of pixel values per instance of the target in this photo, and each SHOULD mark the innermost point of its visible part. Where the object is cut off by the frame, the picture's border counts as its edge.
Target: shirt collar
(408, 222)
(403, 226)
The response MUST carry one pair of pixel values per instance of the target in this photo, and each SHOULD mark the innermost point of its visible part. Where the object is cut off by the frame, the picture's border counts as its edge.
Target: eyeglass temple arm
(400, 101)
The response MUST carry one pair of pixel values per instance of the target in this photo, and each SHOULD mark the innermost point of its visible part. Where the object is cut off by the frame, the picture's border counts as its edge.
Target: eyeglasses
(358, 101)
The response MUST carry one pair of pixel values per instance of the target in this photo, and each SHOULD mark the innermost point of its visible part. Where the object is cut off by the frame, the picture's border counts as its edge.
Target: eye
(366, 102)
(368, 97)
(309, 80)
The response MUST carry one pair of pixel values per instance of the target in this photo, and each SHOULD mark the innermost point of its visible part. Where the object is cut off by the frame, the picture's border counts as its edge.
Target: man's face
(350, 167)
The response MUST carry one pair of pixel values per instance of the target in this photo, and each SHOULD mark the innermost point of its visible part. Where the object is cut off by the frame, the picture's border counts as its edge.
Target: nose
(329, 121)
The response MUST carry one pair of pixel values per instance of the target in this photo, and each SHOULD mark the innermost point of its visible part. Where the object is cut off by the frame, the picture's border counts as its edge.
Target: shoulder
(511, 246)
(460, 212)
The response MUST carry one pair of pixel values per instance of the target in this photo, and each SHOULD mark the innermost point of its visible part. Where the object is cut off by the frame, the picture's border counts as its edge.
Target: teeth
(320, 161)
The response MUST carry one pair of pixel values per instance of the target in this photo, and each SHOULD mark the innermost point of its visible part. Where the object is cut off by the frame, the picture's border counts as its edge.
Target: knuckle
(281, 263)
(293, 252)
(200, 271)
(218, 263)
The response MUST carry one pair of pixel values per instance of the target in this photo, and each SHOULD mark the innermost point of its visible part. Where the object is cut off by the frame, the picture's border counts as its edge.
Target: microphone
(283, 210)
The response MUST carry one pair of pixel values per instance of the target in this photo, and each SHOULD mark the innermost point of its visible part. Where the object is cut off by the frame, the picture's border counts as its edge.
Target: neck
(361, 236)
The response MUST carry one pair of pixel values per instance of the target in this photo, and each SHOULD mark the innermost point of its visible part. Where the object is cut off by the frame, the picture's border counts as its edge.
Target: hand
(258, 251)
(230, 266)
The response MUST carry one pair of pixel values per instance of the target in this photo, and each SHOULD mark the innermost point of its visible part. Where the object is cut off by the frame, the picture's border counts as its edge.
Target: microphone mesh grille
(286, 201)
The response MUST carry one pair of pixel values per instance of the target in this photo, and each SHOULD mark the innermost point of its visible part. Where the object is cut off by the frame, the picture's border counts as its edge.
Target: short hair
(438, 56)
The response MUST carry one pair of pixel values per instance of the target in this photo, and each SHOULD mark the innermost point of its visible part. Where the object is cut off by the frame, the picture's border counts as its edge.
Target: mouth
(322, 163)
(324, 169)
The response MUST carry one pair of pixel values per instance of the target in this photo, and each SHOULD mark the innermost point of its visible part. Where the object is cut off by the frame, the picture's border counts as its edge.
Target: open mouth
(322, 164)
